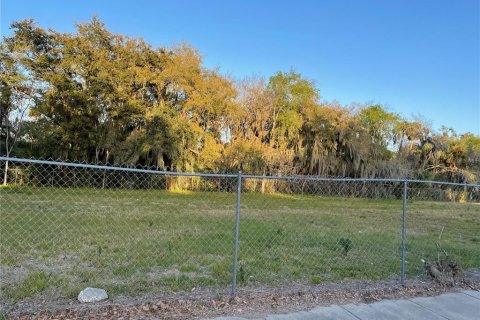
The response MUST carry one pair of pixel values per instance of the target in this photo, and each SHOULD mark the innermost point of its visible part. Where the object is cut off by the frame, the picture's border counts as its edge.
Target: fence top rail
(313, 178)
(112, 168)
(224, 175)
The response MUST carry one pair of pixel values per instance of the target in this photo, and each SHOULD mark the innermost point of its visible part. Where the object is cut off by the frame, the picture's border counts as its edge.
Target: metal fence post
(404, 232)
(237, 227)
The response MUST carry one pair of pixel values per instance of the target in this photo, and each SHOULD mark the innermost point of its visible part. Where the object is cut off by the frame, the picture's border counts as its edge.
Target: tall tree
(96, 96)
(17, 94)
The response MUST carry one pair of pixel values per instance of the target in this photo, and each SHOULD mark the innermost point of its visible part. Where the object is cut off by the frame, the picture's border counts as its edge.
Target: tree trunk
(5, 174)
(262, 188)
(104, 178)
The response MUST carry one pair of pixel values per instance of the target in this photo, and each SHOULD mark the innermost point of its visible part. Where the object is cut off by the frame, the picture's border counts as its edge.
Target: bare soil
(249, 303)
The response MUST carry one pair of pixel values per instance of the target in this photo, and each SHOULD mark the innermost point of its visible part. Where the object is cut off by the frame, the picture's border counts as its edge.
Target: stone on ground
(92, 295)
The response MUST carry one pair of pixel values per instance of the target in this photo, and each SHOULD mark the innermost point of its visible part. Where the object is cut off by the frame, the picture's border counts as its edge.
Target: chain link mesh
(443, 221)
(316, 231)
(64, 227)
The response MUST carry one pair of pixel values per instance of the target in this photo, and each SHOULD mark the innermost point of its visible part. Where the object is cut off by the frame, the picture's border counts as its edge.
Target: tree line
(99, 97)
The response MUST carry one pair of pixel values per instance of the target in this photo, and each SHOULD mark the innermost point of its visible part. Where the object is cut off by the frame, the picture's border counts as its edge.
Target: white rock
(92, 295)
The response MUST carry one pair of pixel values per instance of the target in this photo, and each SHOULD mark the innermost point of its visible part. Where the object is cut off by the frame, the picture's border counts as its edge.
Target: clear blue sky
(416, 57)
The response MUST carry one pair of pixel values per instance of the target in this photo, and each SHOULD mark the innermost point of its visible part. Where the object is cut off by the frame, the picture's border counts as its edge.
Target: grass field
(54, 241)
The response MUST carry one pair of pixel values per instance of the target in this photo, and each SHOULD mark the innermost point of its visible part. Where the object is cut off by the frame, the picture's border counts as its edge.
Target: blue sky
(415, 57)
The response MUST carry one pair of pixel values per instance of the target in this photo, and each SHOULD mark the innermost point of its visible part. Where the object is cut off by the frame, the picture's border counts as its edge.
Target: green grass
(56, 241)
(34, 283)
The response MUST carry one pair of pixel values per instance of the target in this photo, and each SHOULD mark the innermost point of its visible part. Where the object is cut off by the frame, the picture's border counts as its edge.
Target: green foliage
(346, 244)
(96, 96)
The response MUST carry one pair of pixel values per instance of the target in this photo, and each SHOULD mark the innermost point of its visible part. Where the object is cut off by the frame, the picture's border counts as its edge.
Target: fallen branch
(445, 271)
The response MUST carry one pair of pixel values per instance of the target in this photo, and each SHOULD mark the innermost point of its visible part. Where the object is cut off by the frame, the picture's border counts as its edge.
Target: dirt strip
(250, 302)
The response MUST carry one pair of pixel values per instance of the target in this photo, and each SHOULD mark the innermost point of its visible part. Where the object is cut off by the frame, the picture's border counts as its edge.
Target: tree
(292, 96)
(17, 95)
(104, 93)
(96, 96)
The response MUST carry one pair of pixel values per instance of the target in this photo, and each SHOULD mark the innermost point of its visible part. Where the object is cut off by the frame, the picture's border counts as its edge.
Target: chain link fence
(66, 226)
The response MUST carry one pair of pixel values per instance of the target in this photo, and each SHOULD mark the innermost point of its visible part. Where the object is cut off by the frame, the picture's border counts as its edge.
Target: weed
(346, 244)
